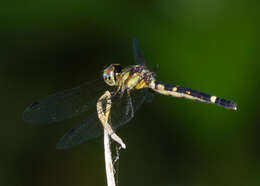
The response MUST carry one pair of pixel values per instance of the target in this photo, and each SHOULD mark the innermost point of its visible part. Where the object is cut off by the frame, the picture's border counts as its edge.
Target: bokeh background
(212, 46)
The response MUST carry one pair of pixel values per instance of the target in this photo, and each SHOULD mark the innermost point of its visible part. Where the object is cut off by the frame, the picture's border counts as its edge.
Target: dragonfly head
(111, 74)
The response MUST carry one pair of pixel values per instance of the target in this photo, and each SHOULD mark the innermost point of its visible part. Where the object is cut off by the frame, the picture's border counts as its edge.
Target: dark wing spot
(69, 132)
(34, 104)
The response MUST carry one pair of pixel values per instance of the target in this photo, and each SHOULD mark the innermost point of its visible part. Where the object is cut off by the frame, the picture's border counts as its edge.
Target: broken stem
(108, 161)
(108, 132)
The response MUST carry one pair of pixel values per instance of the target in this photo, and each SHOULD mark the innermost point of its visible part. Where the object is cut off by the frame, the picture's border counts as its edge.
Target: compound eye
(117, 69)
(111, 74)
(105, 76)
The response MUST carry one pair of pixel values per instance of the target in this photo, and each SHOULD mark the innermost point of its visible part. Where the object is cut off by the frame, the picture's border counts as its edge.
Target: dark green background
(209, 45)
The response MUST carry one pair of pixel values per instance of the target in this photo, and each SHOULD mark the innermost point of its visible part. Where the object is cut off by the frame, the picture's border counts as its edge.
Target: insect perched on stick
(129, 88)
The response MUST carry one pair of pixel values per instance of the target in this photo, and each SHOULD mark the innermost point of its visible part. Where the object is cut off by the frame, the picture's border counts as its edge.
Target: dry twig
(108, 132)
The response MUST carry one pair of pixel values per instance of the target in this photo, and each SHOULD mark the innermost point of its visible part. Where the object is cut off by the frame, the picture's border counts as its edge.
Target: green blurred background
(209, 45)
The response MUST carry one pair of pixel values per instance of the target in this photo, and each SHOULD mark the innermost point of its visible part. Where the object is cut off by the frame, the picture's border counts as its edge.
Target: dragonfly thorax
(111, 74)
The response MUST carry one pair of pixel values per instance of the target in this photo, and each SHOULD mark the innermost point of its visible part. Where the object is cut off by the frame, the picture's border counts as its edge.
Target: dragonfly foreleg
(130, 104)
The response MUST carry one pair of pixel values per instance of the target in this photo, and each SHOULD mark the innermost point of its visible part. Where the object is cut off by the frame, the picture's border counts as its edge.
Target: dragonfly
(130, 88)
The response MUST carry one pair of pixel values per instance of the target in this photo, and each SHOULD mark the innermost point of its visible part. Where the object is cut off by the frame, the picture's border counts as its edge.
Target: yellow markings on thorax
(125, 76)
(141, 84)
(174, 89)
(132, 81)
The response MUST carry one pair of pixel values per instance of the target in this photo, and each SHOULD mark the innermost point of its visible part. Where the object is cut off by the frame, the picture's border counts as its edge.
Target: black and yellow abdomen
(179, 91)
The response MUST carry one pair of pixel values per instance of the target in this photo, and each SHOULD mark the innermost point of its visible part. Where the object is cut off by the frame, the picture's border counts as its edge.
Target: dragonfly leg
(130, 104)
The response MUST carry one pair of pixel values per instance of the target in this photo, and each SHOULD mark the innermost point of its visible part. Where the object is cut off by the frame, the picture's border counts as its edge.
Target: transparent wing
(138, 55)
(87, 129)
(66, 104)
(124, 108)
(122, 111)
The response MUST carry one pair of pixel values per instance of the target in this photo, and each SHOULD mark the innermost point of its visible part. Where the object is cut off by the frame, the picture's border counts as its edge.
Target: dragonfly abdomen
(179, 91)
